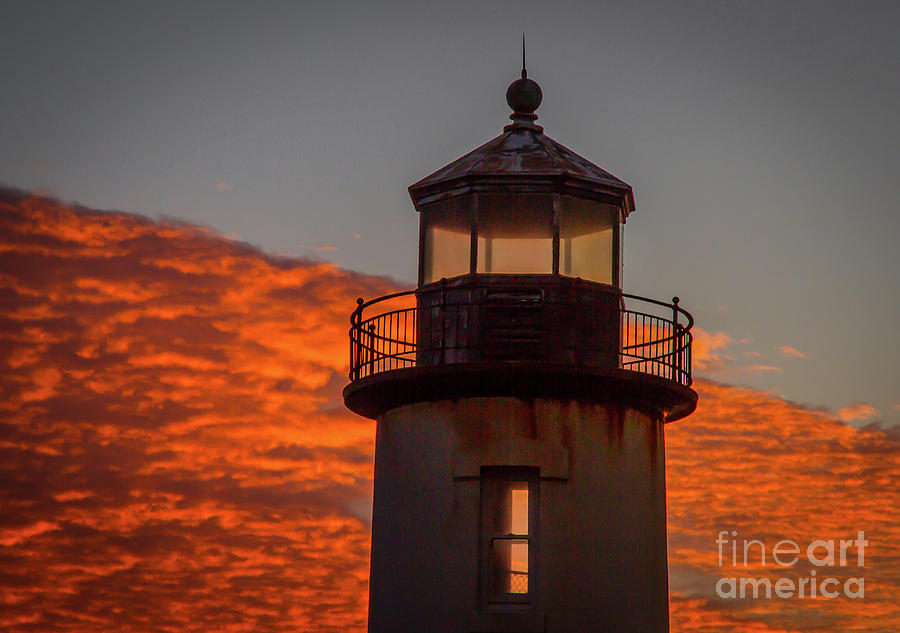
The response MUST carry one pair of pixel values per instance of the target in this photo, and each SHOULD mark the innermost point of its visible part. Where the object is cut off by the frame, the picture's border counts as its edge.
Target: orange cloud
(325, 248)
(770, 469)
(790, 351)
(857, 411)
(711, 356)
(708, 350)
(174, 454)
(762, 368)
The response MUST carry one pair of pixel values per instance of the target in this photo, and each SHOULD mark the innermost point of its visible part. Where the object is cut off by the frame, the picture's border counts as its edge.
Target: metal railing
(385, 340)
(654, 344)
(655, 340)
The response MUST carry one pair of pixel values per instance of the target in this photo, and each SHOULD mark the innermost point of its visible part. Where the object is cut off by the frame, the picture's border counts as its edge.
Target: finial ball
(524, 95)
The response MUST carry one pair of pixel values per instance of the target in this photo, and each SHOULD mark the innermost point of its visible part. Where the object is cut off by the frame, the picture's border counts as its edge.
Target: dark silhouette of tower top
(525, 158)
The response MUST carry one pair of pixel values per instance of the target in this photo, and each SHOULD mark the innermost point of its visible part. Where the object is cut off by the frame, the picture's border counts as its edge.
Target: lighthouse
(520, 397)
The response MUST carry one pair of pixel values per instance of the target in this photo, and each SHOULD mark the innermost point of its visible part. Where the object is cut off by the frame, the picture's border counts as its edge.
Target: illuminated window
(508, 507)
(520, 234)
(586, 240)
(447, 236)
(515, 234)
(447, 253)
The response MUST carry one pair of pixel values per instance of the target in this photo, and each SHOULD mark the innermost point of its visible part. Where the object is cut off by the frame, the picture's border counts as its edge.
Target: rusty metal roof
(523, 159)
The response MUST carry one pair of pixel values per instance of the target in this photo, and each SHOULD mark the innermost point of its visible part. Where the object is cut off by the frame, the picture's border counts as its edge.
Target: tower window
(508, 511)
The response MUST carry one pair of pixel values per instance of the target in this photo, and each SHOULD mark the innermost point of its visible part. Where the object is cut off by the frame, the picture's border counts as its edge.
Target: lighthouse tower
(520, 397)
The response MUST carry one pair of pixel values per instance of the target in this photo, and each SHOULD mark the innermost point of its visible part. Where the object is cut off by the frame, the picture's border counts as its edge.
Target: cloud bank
(174, 452)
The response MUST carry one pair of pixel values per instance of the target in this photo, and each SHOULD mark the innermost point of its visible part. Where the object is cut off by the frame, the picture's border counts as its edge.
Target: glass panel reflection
(446, 253)
(509, 565)
(518, 494)
(586, 234)
(515, 255)
(447, 239)
(515, 234)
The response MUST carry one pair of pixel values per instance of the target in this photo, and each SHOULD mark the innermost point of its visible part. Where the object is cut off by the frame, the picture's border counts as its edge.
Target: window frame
(490, 505)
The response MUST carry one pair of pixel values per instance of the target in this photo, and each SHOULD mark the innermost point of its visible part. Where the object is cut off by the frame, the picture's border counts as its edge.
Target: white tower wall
(598, 534)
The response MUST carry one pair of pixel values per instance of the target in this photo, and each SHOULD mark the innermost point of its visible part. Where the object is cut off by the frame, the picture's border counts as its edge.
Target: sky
(259, 155)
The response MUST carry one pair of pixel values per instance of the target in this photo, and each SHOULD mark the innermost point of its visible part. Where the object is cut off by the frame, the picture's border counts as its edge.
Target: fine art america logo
(825, 558)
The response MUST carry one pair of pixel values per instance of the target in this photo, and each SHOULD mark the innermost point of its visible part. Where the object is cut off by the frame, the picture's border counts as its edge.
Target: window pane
(509, 566)
(510, 515)
(588, 256)
(515, 234)
(532, 256)
(446, 253)
(519, 509)
(447, 239)
(586, 232)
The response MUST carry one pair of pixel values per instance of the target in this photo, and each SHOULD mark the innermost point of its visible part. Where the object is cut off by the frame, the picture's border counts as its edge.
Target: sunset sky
(175, 453)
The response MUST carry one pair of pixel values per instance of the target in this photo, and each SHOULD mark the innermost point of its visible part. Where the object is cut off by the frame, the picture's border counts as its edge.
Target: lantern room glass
(587, 240)
(519, 234)
(447, 233)
(515, 234)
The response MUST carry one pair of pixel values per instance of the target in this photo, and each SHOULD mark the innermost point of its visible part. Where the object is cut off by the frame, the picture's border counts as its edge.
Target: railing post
(443, 329)
(356, 340)
(690, 378)
(676, 340)
(371, 347)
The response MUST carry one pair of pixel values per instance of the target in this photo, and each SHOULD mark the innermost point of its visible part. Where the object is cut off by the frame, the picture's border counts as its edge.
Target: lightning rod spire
(524, 72)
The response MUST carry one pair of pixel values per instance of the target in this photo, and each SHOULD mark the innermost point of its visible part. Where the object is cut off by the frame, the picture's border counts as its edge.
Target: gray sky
(762, 140)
